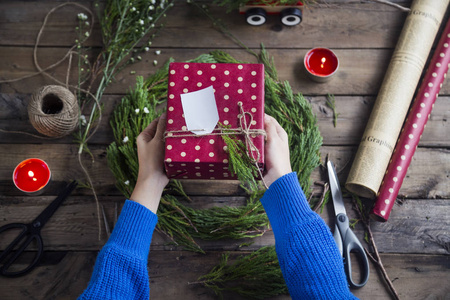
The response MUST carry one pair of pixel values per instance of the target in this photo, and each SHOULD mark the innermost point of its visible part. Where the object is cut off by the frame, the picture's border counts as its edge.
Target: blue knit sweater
(309, 259)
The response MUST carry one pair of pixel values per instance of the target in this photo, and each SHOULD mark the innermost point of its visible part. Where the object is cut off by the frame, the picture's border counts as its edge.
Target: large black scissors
(29, 233)
(344, 237)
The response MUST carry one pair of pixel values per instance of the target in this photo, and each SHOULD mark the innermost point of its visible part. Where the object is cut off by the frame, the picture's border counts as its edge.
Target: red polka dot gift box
(238, 93)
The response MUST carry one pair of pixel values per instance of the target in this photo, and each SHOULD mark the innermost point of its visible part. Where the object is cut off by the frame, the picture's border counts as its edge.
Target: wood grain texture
(64, 275)
(373, 26)
(427, 177)
(353, 111)
(414, 244)
(416, 226)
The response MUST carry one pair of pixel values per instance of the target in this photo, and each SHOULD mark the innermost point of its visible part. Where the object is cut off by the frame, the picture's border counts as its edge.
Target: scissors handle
(350, 243)
(9, 255)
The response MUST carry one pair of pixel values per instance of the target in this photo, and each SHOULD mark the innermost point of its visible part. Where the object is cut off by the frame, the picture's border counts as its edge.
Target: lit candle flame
(323, 61)
(31, 174)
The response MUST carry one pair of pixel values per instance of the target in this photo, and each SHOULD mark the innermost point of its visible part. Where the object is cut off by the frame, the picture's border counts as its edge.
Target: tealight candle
(31, 175)
(321, 64)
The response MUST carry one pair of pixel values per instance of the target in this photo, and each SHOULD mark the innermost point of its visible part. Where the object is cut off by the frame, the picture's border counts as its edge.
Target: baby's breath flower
(132, 72)
(153, 1)
(139, 58)
(141, 22)
(151, 7)
(125, 140)
(147, 49)
(155, 62)
(158, 52)
(137, 110)
(82, 17)
(86, 34)
(150, 18)
(126, 182)
(83, 120)
(149, 43)
(132, 59)
(87, 23)
(133, 8)
(146, 110)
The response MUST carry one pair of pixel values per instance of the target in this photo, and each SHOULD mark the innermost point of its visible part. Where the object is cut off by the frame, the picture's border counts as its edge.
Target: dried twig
(326, 187)
(376, 259)
(402, 8)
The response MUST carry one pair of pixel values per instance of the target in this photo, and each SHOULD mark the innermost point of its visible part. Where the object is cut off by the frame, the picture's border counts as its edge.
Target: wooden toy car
(256, 12)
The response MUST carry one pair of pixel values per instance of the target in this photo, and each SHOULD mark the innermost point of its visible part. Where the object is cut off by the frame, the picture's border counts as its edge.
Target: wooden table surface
(414, 244)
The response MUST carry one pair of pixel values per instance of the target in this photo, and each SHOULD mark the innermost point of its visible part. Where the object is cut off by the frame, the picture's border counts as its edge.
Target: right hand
(276, 151)
(151, 178)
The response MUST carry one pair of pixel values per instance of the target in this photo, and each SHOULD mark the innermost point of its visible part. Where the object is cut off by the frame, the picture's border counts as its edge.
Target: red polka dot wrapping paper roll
(206, 157)
(413, 128)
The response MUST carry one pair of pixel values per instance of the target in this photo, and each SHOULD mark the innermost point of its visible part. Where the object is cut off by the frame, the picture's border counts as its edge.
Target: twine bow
(243, 129)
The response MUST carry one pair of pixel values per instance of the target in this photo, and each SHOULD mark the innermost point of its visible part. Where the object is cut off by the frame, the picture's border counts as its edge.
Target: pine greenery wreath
(183, 224)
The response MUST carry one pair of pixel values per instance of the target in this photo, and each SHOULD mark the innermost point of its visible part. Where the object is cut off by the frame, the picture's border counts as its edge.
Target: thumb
(270, 127)
(161, 127)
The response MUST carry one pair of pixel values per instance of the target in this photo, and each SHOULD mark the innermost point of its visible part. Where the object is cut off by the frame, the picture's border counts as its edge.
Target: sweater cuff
(285, 203)
(133, 230)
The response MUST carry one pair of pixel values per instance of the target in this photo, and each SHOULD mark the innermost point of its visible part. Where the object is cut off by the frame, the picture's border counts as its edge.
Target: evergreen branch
(261, 279)
(331, 103)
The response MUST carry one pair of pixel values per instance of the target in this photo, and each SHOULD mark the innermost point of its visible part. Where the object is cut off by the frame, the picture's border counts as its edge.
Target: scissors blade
(336, 194)
(45, 215)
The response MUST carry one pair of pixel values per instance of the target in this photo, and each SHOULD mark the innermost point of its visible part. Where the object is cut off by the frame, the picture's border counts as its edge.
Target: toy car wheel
(291, 16)
(256, 16)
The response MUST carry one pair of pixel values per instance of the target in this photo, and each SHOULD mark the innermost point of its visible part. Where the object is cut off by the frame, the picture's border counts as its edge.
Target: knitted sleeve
(120, 271)
(309, 259)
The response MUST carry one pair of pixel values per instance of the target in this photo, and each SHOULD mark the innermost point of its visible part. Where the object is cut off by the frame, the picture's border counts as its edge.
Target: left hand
(151, 178)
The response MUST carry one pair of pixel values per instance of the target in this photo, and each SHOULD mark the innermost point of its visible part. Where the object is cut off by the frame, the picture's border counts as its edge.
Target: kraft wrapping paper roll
(413, 128)
(394, 97)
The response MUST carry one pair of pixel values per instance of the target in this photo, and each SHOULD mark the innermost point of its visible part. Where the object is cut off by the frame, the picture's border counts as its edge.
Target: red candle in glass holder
(321, 64)
(31, 175)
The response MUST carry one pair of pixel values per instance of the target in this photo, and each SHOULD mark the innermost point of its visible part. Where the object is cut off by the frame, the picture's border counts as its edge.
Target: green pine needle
(331, 103)
(260, 269)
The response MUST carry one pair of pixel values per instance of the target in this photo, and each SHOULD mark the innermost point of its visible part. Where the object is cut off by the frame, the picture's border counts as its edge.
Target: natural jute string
(53, 111)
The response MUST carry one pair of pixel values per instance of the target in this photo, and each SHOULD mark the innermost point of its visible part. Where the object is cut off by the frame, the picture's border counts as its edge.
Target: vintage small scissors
(346, 240)
(29, 232)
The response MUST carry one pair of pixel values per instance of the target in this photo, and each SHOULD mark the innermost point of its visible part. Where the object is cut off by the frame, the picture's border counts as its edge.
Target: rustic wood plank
(360, 73)
(326, 25)
(353, 115)
(65, 275)
(427, 176)
(416, 226)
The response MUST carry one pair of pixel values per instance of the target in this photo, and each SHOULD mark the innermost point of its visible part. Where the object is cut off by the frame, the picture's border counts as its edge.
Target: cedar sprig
(331, 103)
(260, 269)
(240, 164)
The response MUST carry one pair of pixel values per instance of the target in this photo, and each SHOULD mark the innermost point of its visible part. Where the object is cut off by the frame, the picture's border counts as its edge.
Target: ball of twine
(53, 111)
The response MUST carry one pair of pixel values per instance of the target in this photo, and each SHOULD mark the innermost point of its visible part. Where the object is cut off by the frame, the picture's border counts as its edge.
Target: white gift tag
(200, 111)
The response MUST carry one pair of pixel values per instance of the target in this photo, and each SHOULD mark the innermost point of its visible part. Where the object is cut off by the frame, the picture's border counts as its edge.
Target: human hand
(276, 151)
(151, 178)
